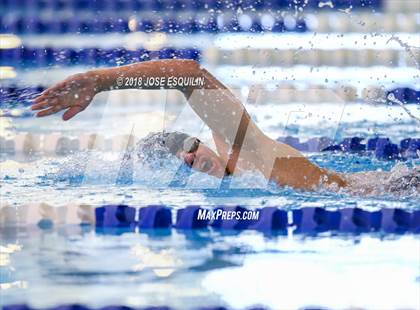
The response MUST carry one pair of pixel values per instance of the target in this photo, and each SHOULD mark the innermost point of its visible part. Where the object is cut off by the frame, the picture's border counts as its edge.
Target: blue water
(66, 264)
(207, 268)
(72, 264)
(68, 179)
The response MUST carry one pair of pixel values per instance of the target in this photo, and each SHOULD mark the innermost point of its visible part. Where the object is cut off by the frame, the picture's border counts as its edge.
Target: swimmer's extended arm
(230, 122)
(211, 100)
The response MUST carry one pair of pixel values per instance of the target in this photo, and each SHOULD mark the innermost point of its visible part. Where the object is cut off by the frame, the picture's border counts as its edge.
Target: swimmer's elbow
(192, 65)
(183, 65)
(334, 178)
(191, 62)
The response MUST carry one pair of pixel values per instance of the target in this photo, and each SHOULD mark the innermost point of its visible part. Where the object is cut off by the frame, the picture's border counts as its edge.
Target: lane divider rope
(306, 220)
(14, 100)
(50, 56)
(57, 144)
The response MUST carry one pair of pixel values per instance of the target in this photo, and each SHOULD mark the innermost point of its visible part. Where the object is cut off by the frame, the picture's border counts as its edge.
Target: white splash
(326, 3)
(400, 181)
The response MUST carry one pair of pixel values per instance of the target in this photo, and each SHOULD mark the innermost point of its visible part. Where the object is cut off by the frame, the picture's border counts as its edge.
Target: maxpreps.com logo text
(220, 214)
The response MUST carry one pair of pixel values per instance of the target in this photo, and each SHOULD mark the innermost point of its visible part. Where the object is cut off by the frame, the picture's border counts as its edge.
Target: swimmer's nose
(189, 159)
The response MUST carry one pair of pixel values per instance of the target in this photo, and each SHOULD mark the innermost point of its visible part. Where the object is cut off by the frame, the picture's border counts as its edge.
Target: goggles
(191, 145)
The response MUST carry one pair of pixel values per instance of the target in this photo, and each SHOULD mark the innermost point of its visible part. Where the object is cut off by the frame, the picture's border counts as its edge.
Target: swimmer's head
(190, 150)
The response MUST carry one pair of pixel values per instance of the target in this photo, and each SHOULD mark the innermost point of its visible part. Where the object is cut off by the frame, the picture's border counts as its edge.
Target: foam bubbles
(401, 181)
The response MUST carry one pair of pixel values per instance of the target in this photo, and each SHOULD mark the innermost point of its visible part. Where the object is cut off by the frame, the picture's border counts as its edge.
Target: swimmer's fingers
(49, 111)
(50, 94)
(44, 101)
(39, 99)
(56, 90)
(42, 97)
(50, 90)
(72, 112)
(43, 104)
(47, 104)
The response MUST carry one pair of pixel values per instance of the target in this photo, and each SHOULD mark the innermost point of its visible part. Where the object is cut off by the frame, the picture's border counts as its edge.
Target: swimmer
(240, 144)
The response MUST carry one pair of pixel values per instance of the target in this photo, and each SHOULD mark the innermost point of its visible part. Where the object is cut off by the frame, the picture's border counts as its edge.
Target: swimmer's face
(203, 159)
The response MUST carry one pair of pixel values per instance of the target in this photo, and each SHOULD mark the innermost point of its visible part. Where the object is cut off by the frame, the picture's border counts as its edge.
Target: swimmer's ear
(72, 112)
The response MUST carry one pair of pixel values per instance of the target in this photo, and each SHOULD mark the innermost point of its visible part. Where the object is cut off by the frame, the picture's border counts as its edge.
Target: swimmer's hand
(73, 94)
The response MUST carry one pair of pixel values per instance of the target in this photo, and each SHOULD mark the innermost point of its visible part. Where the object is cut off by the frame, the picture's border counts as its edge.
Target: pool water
(68, 264)
(191, 269)
(62, 180)
(94, 177)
